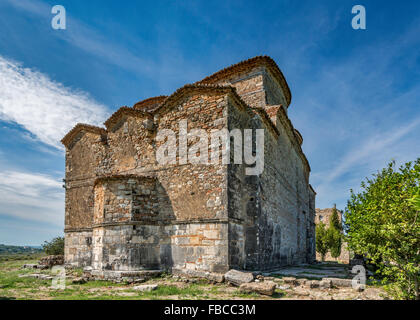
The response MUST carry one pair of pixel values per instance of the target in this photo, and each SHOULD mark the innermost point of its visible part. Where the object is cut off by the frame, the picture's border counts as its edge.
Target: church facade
(126, 211)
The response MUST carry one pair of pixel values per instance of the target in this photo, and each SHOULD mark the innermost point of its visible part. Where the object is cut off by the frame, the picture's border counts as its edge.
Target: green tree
(335, 220)
(321, 240)
(383, 224)
(334, 241)
(54, 247)
(334, 234)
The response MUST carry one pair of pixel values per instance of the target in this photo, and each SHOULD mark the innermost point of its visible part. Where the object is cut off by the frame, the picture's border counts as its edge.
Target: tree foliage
(334, 234)
(54, 247)
(382, 223)
(335, 220)
(334, 241)
(321, 240)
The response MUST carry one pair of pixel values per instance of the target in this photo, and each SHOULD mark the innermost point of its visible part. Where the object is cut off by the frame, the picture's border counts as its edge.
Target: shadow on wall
(137, 229)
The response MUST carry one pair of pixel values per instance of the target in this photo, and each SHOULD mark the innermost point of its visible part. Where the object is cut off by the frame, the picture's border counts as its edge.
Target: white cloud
(138, 56)
(369, 149)
(32, 196)
(42, 106)
(356, 112)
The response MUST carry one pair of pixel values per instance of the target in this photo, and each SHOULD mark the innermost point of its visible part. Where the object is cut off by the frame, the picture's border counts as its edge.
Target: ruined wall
(324, 215)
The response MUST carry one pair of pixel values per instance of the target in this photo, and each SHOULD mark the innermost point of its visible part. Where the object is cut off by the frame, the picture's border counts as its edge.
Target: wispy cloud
(369, 149)
(31, 196)
(139, 57)
(42, 106)
(365, 159)
(358, 111)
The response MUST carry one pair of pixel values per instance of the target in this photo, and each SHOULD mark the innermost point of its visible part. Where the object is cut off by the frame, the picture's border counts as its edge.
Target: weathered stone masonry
(127, 212)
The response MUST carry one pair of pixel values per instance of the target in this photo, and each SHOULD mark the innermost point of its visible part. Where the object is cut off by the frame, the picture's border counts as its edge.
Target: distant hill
(6, 249)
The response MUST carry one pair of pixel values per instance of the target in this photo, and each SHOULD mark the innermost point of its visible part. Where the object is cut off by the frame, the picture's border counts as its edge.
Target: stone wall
(78, 248)
(274, 211)
(125, 198)
(257, 88)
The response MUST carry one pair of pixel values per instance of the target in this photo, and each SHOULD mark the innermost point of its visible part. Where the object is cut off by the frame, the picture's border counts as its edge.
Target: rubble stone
(53, 260)
(264, 287)
(325, 283)
(79, 280)
(237, 278)
(146, 287)
(291, 280)
(338, 282)
(313, 284)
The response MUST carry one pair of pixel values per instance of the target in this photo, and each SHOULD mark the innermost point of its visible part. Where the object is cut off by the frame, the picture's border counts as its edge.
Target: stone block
(313, 284)
(78, 281)
(216, 277)
(146, 287)
(325, 283)
(211, 234)
(264, 287)
(338, 282)
(291, 280)
(283, 287)
(237, 278)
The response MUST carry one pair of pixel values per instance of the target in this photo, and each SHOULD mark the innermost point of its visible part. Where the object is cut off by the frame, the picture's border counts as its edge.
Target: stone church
(125, 212)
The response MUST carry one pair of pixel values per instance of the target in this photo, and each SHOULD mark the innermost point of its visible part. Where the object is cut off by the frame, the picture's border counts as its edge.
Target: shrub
(334, 241)
(321, 240)
(54, 247)
(383, 224)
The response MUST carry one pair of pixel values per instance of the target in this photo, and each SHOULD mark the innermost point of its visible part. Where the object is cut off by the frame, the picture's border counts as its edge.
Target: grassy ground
(14, 287)
(20, 256)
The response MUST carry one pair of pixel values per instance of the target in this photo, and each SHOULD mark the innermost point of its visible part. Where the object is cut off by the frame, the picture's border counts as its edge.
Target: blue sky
(355, 93)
